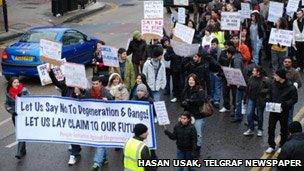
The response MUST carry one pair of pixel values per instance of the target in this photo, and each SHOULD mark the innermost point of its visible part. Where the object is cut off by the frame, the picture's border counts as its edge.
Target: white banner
(153, 9)
(43, 74)
(283, 37)
(110, 56)
(292, 6)
(50, 49)
(75, 75)
(162, 113)
(275, 11)
(85, 122)
(230, 21)
(151, 26)
(246, 11)
(181, 15)
(184, 49)
(183, 32)
(181, 2)
(234, 76)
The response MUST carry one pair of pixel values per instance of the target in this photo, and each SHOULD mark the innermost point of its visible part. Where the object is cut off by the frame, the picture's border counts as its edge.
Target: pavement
(23, 15)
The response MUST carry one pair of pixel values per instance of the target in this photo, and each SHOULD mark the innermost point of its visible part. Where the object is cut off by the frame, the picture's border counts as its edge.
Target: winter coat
(192, 99)
(65, 90)
(120, 92)
(146, 99)
(298, 36)
(156, 81)
(245, 52)
(10, 101)
(137, 49)
(175, 60)
(294, 76)
(185, 136)
(129, 76)
(257, 89)
(105, 94)
(134, 90)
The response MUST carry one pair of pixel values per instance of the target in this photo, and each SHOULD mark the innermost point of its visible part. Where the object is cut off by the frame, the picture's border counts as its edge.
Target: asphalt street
(222, 139)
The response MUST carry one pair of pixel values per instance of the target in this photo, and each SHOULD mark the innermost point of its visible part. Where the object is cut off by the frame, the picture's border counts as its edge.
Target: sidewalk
(23, 15)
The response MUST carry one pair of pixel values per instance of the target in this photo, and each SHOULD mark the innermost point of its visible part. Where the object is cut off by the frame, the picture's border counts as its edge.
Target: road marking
(5, 121)
(12, 144)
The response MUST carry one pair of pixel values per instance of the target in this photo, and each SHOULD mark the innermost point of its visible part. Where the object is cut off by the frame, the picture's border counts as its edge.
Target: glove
(296, 85)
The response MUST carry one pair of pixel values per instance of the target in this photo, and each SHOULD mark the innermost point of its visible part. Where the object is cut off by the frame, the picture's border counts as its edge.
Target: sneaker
(70, 147)
(72, 160)
(95, 167)
(260, 133)
(279, 150)
(248, 132)
(216, 105)
(155, 120)
(223, 110)
(269, 150)
(173, 100)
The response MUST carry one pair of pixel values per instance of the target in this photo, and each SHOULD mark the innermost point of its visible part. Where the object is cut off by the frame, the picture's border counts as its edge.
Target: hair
(215, 40)
(96, 78)
(260, 70)
(283, 23)
(121, 50)
(113, 78)
(156, 51)
(187, 114)
(231, 50)
(295, 127)
(10, 83)
(229, 43)
(196, 80)
(194, 25)
(299, 10)
(258, 18)
(287, 57)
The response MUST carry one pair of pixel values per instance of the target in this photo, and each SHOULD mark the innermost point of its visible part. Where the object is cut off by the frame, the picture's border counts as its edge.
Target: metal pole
(5, 15)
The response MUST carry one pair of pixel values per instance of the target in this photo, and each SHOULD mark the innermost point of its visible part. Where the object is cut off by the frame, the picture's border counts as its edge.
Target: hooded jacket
(192, 100)
(137, 49)
(10, 101)
(155, 81)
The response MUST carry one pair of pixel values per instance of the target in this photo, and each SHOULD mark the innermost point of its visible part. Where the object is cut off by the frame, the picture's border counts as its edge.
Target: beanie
(136, 35)
(281, 73)
(142, 87)
(139, 129)
(113, 75)
(295, 127)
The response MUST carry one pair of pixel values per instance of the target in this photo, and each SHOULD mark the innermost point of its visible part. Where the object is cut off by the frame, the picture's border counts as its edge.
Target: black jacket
(65, 90)
(137, 49)
(257, 89)
(293, 149)
(185, 136)
(146, 155)
(175, 60)
(192, 99)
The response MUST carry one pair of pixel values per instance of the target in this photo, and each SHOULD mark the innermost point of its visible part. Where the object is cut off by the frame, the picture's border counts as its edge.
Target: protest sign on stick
(184, 49)
(86, 122)
(280, 36)
(153, 9)
(75, 75)
(109, 56)
(230, 21)
(152, 28)
(50, 52)
(181, 15)
(183, 32)
(245, 10)
(234, 76)
(292, 6)
(181, 2)
(162, 113)
(275, 11)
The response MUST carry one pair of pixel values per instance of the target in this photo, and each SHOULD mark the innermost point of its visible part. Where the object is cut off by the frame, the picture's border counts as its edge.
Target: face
(214, 45)
(212, 22)
(191, 82)
(184, 120)
(255, 73)
(77, 90)
(190, 24)
(99, 46)
(229, 55)
(226, 47)
(253, 17)
(140, 94)
(207, 33)
(287, 63)
(244, 32)
(96, 84)
(123, 56)
(229, 7)
(196, 59)
(299, 14)
(144, 135)
(139, 80)
(116, 81)
(15, 83)
(208, 17)
(235, 39)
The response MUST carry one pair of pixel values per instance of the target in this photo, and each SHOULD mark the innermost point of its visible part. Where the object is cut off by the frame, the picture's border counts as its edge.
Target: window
(35, 36)
(72, 37)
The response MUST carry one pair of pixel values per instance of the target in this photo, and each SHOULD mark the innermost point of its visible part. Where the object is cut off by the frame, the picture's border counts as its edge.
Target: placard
(275, 11)
(50, 49)
(183, 32)
(43, 74)
(152, 28)
(153, 9)
(181, 15)
(181, 2)
(85, 122)
(292, 6)
(273, 107)
(282, 37)
(184, 49)
(109, 56)
(230, 21)
(234, 76)
(75, 75)
(245, 10)
(162, 113)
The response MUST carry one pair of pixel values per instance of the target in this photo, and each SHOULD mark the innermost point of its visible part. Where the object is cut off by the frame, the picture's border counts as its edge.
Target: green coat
(129, 78)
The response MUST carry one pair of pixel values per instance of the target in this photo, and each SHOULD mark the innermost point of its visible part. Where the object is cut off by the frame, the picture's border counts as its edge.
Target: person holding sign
(186, 138)
(99, 68)
(117, 88)
(15, 89)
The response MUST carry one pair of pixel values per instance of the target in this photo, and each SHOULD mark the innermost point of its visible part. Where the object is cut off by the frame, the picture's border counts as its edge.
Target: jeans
(290, 115)
(156, 95)
(251, 106)
(199, 125)
(256, 47)
(226, 94)
(300, 54)
(184, 155)
(100, 155)
(216, 87)
(277, 59)
(177, 84)
(238, 104)
(75, 151)
(272, 122)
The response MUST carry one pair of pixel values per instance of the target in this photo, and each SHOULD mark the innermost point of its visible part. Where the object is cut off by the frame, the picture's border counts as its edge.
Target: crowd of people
(271, 72)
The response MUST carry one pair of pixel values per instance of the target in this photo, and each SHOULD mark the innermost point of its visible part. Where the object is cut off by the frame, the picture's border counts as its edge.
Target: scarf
(96, 93)
(13, 92)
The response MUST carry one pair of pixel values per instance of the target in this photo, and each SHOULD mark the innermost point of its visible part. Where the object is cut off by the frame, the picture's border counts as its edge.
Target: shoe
(21, 150)
(236, 121)
(223, 110)
(260, 133)
(248, 132)
(72, 160)
(155, 120)
(105, 161)
(279, 150)
(70, 148)
(173, 100)
(269, 150)
(95, 167)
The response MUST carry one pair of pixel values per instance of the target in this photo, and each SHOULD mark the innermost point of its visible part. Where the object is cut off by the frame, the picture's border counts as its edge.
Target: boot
(20, 150)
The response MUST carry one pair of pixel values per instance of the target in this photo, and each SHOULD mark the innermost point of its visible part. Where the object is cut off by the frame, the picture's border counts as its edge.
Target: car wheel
(8, 78)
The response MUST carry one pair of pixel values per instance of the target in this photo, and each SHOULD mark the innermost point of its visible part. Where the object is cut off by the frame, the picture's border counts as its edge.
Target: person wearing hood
(15, 89)
(142, 94)
(140, 79)
(137, 48)
(117, 88)
(284, 93)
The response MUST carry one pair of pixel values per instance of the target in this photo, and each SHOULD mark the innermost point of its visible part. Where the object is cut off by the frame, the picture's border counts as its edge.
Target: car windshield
(35, 36)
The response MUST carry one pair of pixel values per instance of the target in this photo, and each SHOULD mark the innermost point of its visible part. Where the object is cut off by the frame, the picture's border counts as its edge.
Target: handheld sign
(230, 21)
(153, 9)
(50, 49)
(184, 49)
(282, 37)
(245, 10)
(109, 56)
(181, 2)
(152, 28)
(181, 15)
(273, 107)
(292, 6)
(275, 11)
(75, 75)
(234, 76)
(183, 32)
(43, 74)
(161, 112)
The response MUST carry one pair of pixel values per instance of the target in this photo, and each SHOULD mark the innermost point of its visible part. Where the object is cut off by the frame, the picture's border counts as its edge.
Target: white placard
(153, 9)
(50, 49)
(152, 26)
(43, 74)
(109, 56)
(162, 113)
(75, 75)
(183, 32)
(283, 37)
(181, 2)
(273, 107)
(246, 11)
(292, 6)
(181, 15)
(230, 21)
(275, 11)
(184, 49)
(234, 76)
(86, 122)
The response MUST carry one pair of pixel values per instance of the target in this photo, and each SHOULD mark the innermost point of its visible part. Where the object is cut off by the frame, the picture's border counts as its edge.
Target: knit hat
(136, 34)
(113, 75)
(281, 73)
(142, 87)
(139, 129)
(295, 127)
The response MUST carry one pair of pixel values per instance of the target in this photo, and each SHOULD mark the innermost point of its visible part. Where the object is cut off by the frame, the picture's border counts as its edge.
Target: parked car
(22, 57)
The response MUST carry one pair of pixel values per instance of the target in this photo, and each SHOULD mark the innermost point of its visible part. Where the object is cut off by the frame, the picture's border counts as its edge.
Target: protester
(242, 48)
(206, 41)
(284, 93)
(193, 97)
(15, 89)
(117, 88)
(186, 138)
(298, 39)
(99, 69)
(137, 48)
(126, 69)
(140, 79)
(165, 44)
